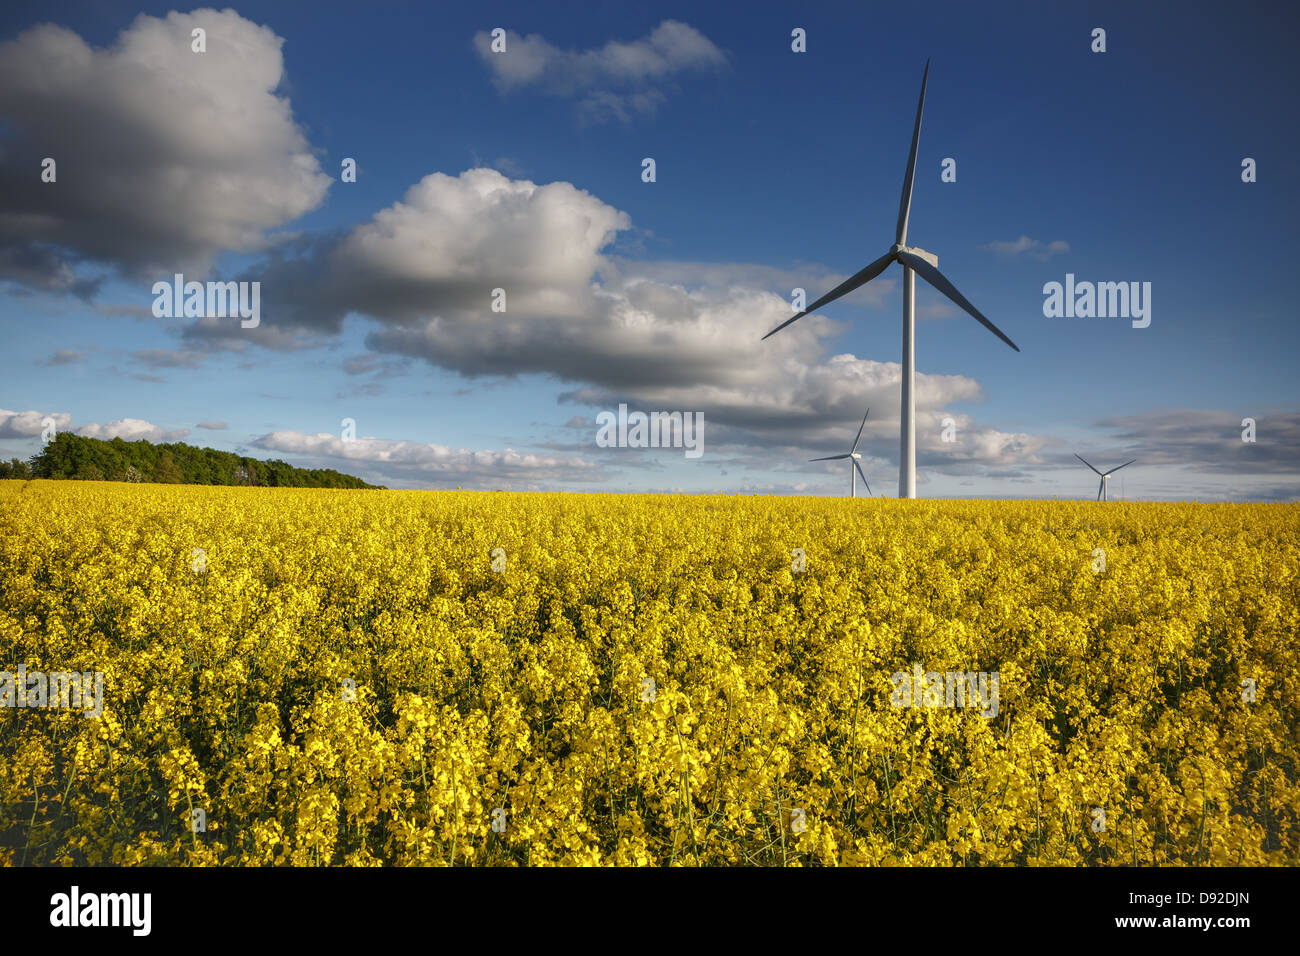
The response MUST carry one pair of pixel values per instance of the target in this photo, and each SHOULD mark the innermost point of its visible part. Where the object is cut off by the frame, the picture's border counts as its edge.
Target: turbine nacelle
(929, 257)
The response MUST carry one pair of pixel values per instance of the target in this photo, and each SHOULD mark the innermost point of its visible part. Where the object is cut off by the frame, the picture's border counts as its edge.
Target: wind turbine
(914, 261)
(855, 458)
(1101, 488)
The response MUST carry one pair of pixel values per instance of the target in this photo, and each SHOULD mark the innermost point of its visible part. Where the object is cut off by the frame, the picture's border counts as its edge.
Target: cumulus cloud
(425, 462)
(439, 252)
(457, 238)
(615, 81)
(30, 424)
(1033, 248)
(131, 429)
(426, 268)
(976, 447)
(670, 336)
(165, 157)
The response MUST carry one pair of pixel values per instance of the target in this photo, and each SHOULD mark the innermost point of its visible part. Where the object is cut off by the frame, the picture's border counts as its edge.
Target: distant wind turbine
(913, 261)
(855, 458)
(1101, 488)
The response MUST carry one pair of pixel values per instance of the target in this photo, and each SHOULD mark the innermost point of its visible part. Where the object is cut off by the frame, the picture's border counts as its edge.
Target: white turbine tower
(855, 458)
(914, 261)
(1101, 488)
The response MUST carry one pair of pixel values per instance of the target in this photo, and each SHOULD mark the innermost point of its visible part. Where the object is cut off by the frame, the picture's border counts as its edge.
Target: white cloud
(464, 236)
(614, 81)
(131, 429)
(426, 462)
(438, 254)
(672, 336)
(602, 106)
(165, 157)
(1034, 248)
(510, 167)
(29, 424)
(723, 276)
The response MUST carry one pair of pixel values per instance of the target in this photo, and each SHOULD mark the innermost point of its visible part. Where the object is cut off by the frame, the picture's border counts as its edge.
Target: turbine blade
(859, 438)
(1100, 487)
(1094, 470)
(1118, 467)
(863, 474)
(905, 203)
(829, 458)
(936, 278)
(844, 288)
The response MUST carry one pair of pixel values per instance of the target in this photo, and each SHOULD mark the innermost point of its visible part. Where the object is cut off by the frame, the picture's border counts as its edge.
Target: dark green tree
(75, 456)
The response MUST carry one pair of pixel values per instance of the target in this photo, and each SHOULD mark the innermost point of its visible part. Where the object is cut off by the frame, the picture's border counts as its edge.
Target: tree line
(79, 458)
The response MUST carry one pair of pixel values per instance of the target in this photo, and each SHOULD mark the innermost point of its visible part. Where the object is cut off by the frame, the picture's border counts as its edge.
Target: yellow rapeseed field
(297, 676)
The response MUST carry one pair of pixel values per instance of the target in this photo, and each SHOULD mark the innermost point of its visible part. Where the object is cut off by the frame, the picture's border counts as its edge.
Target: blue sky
(773, 169)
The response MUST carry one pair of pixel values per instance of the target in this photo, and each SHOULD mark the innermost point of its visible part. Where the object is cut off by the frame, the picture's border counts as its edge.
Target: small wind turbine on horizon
(1101, 488)
(855, 458)
(913, 260)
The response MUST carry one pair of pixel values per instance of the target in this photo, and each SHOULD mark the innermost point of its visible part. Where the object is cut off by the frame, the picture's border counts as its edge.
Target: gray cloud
(168, 358)
(1209, 441)
(369, 363)
(63, 357)
(39, 267)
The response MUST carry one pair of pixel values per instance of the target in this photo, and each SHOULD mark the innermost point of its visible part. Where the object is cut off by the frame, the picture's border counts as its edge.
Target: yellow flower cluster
(377, 678)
